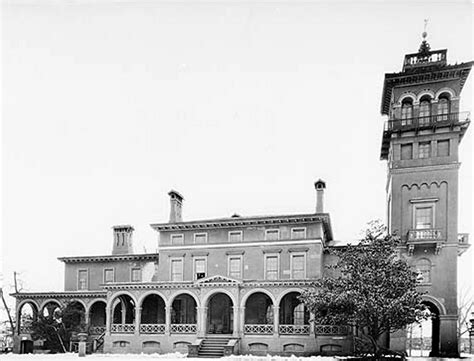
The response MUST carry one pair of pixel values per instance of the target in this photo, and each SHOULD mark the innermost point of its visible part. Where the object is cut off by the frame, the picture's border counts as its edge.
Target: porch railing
(152, 328)
(183, 328)
(96, 330)
(294, 330)
(331, 330)
(258, 329)
(122, 328)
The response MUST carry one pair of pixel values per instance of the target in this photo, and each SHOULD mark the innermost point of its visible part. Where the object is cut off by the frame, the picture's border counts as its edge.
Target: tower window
(443, 109)
(406, 151)
(424, 216)
(407, 111)
(425, 111)
(443, 148)
(424, 150)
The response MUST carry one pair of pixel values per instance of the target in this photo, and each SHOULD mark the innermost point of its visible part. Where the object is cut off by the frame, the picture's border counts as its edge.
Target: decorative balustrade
(463, 238)
(152, 328)
(426, 121)
(258, 329)
(434, 57)
(294, 329)
(331, 330)
(183, 328)
(122, 328)
(96, 330)
(424, 234)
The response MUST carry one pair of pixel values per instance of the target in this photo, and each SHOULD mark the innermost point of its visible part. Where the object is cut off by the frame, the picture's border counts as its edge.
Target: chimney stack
(320, 186)
(176, 207)
(123, 243)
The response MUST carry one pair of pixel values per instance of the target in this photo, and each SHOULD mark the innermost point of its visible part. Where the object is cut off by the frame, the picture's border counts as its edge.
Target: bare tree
(465, 307)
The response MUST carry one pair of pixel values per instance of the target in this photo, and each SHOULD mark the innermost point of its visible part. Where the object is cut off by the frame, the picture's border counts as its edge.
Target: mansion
(231, 285)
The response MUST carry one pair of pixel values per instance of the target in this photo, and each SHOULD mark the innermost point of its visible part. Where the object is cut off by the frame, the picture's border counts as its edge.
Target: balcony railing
(258, 329)
(463, 238)
(428, 121)
(183, 328)
(436, 57)
(294, 329)
(122, 328)
(424, 234)
(331, 330)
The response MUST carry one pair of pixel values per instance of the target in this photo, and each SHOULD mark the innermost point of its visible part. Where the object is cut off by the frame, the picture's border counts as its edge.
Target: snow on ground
(148, 357)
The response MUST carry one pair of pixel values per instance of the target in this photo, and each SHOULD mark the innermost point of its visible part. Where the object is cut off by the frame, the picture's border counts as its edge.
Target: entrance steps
(213, 347)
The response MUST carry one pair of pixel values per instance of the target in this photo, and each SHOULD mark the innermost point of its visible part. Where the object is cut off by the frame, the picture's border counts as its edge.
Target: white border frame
(235, 232)
(171, 259)
(113, 274)
(273, 230)
(200, 234)
(241, 258)
(195, 258)
(293, 254)
(267, 255)
(297, 228)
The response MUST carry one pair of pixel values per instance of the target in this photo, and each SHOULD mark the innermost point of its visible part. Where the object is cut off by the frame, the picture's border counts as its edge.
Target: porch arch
(255, 290)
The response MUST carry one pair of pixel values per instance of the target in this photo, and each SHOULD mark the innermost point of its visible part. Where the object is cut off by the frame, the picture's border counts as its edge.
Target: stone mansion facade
(231, 285)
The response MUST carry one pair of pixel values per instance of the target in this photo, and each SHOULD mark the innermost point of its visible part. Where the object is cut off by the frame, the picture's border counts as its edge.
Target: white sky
(239, 105)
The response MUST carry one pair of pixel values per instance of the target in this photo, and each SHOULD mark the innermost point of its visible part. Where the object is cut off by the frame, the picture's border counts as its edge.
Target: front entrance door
(220, 319)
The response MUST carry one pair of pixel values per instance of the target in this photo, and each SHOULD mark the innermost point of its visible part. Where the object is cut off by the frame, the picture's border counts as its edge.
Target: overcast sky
(238, 105)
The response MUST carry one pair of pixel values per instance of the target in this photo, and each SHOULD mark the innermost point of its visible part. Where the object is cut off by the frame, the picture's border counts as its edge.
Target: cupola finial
(424, 47)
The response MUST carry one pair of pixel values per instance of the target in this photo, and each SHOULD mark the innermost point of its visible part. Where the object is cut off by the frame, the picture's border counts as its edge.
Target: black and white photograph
(252, 180)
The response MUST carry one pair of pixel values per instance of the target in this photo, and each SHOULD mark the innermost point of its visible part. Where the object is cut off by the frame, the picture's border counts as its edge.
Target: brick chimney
(176, 207)
(320, 186)
(123, 242)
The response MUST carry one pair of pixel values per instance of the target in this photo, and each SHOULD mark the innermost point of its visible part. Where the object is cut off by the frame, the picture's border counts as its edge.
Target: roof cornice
(109, 258)
(52, 294)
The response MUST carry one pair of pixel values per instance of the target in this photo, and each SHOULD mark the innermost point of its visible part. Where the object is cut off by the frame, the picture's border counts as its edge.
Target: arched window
(423, 267)
(443, 108)
(425, 111)
(407, 111)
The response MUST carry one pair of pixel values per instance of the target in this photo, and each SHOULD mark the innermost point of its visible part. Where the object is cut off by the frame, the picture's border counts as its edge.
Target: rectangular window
(424, 216)
(177, 270)
(199, 268)
(200, 237)
(82, 279)
(406, 151)
(235, 236)
(298, 233)
(272, 234)
(177, 239)
(298, 266)
(271, 267)
(136, 274)
(109, 275)
(235, 267)
(424, 150)
(443, 148)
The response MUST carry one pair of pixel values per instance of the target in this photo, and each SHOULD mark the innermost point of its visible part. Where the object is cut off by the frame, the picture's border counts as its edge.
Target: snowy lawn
(147, 357)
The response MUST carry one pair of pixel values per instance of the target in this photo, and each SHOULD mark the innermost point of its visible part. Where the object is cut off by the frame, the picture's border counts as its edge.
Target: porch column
(108, 319)
(168, 320)
(138, 317)
(124, 312)
(276, 320)
(201, 321)
(242, 321)
(311, 323)
(87, 317)
(235, 332)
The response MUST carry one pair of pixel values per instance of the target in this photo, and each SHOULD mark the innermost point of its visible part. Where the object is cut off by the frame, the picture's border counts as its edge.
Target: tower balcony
(425, 59)
(425, 237)
(426, 122)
